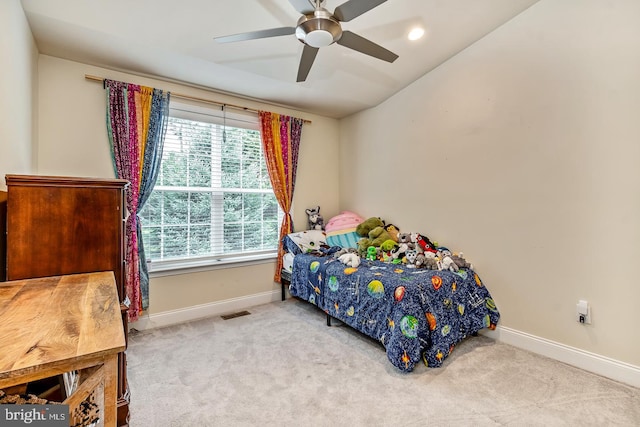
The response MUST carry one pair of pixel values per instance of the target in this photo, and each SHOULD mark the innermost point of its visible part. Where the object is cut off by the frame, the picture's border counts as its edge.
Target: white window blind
(213, 200)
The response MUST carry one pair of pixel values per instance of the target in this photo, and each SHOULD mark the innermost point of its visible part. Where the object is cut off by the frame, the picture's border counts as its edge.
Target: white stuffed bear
(350, 259)
(348, 256)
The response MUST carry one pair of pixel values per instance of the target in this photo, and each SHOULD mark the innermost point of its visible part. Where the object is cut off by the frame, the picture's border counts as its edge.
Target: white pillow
(287, 262)
(308, 241)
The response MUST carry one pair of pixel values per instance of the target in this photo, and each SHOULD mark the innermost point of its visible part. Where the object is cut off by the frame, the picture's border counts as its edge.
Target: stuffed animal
(460, 261)
(445, 262)
(363, 245)
(378, 236)
(423, 244)
(411, 256)
(384, 251)
(404, 244)
(388, 245)
(350, 259)
(367, 225)
(404, 238)
(348, 256)
(427, 260)
(396, 255)
(393, 231)
(343, 251)
(316, 222)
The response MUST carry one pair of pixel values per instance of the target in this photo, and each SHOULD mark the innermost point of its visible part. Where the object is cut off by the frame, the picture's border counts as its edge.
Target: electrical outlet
(583, 312)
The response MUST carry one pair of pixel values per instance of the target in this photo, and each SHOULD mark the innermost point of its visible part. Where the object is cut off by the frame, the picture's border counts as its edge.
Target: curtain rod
(191, 98)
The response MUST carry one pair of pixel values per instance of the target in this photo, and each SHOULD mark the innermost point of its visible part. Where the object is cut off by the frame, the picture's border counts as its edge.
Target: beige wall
(522, 152)
(73, 141)
(18, 94)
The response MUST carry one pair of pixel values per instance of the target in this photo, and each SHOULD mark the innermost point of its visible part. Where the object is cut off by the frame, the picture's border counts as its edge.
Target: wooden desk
(53, 325)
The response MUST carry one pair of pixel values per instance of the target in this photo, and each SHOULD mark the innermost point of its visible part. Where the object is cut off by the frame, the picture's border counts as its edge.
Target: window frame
(222, 116)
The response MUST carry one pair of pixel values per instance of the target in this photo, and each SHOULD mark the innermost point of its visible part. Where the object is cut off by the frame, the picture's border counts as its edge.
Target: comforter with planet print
(417, 314)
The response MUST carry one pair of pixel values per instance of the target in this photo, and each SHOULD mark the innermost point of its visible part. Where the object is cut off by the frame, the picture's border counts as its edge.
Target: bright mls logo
(34, 415)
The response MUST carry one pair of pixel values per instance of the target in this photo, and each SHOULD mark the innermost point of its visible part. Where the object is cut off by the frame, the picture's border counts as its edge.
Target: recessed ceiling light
(416, 33)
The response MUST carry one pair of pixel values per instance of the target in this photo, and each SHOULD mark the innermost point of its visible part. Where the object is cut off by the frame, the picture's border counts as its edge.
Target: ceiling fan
(317, 28)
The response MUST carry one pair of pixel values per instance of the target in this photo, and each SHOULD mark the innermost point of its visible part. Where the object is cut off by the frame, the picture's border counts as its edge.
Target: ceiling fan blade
(354, 8)
(302, 6)
(261, 34)
(356, 42)
(306, 61)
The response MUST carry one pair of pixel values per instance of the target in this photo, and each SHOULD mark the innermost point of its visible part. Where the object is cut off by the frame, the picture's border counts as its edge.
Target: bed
(418, 315)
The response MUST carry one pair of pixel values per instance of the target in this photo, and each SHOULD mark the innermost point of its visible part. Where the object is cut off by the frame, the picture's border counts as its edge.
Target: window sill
(172, 268)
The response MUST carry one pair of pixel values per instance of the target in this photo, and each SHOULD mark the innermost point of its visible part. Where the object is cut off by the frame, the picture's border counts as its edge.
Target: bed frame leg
(328, 320)
(284, 284)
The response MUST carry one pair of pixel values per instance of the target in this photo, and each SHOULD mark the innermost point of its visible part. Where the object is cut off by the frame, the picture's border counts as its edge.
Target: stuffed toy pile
(379, 241)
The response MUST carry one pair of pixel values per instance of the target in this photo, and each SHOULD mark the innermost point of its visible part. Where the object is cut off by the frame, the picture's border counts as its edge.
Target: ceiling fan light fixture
(319, 38)
(318, 29)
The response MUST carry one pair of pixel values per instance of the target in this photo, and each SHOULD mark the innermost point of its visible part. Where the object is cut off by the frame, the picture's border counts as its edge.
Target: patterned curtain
(280, 142)
(136, 126)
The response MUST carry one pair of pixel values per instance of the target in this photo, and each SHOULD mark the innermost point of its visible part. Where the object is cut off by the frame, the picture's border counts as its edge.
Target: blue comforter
(417, 314)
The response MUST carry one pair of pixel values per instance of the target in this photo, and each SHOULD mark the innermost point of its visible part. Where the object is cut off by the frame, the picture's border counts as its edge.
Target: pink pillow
(345, 220)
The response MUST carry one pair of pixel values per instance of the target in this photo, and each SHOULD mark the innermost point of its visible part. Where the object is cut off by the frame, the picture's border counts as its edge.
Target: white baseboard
(173, 317)
(601, 365)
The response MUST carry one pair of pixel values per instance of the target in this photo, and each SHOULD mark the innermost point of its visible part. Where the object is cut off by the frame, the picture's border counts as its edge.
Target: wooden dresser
(66, 225)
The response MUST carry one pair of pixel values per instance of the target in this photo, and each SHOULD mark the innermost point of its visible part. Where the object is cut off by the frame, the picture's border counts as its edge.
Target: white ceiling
(174, 40)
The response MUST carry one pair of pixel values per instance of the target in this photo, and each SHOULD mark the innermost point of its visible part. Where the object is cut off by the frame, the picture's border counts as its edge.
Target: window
(213, 202)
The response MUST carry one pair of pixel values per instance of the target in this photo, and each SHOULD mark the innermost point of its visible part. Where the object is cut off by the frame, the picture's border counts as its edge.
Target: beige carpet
(282, 366)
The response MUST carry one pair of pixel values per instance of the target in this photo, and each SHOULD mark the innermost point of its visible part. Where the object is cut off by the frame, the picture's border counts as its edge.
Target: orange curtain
(280, 143)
